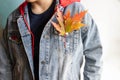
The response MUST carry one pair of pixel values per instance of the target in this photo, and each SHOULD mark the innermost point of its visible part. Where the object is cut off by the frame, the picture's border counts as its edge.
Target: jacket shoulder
(13, 15)
(12, 20)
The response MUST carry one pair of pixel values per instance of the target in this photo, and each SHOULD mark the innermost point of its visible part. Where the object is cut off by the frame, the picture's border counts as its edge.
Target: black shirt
(37, 24)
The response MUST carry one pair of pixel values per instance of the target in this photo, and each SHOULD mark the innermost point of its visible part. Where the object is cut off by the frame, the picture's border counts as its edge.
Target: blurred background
(6, 7)
(106, 14)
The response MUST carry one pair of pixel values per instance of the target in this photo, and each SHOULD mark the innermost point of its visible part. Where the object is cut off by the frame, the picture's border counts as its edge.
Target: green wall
(6, 7)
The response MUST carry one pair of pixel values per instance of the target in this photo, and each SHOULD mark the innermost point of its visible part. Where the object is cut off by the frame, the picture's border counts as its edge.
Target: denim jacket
(56, 61)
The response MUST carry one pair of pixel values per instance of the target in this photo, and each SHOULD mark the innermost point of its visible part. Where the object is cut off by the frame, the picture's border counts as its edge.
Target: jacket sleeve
(92, 50)
(5, 64)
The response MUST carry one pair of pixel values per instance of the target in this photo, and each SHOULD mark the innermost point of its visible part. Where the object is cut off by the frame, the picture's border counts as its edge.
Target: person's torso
(60, 58)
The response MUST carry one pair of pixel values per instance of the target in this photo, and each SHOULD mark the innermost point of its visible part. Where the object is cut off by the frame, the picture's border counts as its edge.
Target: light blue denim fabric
(60, 62)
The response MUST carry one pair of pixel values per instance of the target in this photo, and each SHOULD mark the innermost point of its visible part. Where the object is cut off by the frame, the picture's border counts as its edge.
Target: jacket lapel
(26, 38)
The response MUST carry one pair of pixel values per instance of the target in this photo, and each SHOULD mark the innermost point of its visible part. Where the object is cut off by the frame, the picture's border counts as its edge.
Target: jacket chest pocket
(69, 43)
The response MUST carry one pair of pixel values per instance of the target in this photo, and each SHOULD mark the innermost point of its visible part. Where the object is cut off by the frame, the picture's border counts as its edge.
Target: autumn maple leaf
(67, 23)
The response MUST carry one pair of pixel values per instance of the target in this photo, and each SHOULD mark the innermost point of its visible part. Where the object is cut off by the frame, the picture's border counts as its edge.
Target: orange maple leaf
(67, 23)
(79, 16)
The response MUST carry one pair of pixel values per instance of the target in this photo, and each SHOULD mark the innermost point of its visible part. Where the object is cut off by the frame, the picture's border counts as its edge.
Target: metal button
(42, 62)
